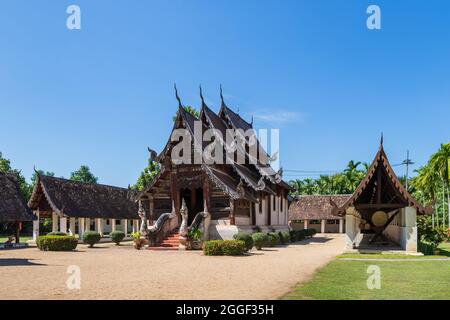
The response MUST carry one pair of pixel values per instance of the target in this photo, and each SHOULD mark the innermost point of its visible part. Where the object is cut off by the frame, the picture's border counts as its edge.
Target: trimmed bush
(260, 240)
(246, 237)
(117, 236)
(274, 239)
(56, 233)
(426, 248)
(56, 243)
(310, 232)
(285, 237)
(91, 238)
(224, 248)
(294, 235)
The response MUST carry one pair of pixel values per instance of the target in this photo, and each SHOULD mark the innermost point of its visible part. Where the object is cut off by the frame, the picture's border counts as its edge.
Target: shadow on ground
(18, 262)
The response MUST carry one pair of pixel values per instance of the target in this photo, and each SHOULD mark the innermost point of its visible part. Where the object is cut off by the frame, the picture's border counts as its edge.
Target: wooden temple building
(381, 213)
(235, 196)
(13, 208)
(76, 207)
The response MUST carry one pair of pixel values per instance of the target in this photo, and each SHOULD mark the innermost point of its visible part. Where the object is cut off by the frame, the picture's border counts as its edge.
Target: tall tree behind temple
(190, 110)
(5, 167)
(147, 175)
(83, 174)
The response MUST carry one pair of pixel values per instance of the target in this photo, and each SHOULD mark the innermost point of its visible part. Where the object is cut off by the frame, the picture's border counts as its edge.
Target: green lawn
(341, 280)
(23, 239)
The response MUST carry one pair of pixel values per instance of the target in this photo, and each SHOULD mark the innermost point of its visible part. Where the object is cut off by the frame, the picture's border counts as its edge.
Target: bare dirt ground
(111, 272)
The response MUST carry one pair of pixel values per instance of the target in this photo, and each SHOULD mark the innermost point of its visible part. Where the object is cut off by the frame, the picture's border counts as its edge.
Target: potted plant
(138, 240)
(194, 239)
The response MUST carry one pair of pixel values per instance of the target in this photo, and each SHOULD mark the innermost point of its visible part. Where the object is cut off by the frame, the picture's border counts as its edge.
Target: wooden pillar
(305, 224)
(341, 225)
(125, 226)
(232, 213)
(54, 222)
(152, 209)
(72, 226)
(18, 227)
(253, 212)
(175, 193)
(322, 225)
(113, 225)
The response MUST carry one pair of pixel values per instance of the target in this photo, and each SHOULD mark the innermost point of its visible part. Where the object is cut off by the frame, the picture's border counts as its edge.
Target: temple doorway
(194, 201)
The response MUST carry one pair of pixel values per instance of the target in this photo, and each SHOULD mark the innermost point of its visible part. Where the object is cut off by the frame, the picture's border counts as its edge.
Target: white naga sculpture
(144, 228)
(184, 225)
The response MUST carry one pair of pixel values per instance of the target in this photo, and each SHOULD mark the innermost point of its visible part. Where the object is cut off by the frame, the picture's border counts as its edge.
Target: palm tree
(440, 163)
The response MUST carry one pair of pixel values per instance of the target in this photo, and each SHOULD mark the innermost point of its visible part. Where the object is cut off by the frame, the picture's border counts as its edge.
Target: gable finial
(252, 121)
(176, 95)
(201, 96)
(34, 169)
(221, 95)
(381, 140)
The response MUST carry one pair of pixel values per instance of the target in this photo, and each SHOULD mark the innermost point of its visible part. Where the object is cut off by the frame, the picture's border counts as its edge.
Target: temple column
(125, 226)
(63, 224)
(135, 225)
(175, 193)
(206, 207)
(232, 213)
(113, 225)
(151, 209)
(36, 226)
(305, 224)
(81, 227)
(341, 225)
(54, 222)
(72, 226)
(99, 226)
(87, 224)
(322, 226)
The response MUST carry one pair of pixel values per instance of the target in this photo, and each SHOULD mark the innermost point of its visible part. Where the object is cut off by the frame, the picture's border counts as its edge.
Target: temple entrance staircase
(169, 243)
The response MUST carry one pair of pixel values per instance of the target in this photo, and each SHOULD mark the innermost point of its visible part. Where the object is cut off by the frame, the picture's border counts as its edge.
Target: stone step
(163, 248)
(175, 241)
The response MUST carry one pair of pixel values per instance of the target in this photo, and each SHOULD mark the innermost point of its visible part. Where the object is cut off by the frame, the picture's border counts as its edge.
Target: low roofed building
(76, 207)
(13, 207)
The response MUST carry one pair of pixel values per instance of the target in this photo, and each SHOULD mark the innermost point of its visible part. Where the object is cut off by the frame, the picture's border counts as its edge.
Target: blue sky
(100, 95)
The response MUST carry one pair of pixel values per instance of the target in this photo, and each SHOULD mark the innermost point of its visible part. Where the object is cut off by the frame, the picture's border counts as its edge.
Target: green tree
(83, 174)
(41, 172)
(190, 110)
(147, 175)
(5, 167)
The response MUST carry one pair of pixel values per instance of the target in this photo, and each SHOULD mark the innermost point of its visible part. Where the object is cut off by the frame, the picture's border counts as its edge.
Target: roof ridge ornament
(176, 95)
(201, 97)
(221, 96)
(381, 139)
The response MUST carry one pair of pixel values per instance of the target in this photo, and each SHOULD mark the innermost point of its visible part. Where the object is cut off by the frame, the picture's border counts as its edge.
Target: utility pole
(408, 163)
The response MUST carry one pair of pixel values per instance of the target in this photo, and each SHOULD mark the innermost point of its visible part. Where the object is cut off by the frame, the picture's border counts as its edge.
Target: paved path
(111, 272)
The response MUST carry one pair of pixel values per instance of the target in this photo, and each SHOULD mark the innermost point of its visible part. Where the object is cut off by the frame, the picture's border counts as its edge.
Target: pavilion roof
(83, 200)
(12, 204)
(315, 207)
(381, 190)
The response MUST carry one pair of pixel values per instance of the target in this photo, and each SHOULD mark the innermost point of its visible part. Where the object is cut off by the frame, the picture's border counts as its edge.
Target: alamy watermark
(73, 282)
(374, 280)
(73, 21)
(210, 146)
(374, 20)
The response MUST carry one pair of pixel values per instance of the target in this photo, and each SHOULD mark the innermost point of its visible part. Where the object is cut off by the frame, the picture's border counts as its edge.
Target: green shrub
(117, 236)
(56, 233)
(309, 232)
(246, 237)
(426, 248)
(260, 240)
(56, 243)
(285, 237)
(274, 239)
(224, 248)
(91, 238)
(294, 235)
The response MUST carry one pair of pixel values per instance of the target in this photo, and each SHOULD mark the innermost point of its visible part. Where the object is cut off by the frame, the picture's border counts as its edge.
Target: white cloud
(276, 116)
